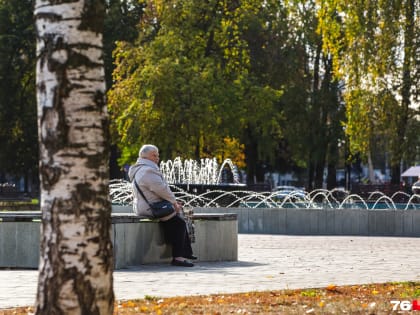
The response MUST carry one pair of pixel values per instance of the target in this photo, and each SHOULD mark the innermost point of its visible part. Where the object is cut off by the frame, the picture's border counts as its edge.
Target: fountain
(206, 184)
(121, 193)
(201, 176)
(206, 171)
(203, 187)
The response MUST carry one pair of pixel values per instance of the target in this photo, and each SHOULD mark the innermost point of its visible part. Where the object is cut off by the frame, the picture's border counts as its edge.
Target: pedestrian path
(265, 262)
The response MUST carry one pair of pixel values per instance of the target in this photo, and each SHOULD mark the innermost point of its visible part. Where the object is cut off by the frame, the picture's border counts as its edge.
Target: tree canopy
(253, 71)
(18, 136)
(377, 52)
(286, 85)
(185, 83)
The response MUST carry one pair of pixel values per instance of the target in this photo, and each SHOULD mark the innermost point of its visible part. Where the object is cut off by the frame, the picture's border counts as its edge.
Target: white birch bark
(76, 263)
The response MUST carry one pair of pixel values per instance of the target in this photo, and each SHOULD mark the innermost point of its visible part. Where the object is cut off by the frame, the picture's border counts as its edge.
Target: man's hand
(177, 206)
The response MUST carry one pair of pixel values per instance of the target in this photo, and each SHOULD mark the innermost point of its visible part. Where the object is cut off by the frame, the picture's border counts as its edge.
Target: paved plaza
(266, 262)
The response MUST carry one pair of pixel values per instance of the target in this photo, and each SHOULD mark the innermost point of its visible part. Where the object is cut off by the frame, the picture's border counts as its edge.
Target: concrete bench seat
(136, 240)
(8, 196)
(24, 216)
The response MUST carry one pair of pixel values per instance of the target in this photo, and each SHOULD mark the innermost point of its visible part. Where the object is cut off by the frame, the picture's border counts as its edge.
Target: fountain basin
(295, 221)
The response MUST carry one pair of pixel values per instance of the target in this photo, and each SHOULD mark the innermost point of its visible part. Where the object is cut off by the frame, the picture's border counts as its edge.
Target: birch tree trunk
(76, 263)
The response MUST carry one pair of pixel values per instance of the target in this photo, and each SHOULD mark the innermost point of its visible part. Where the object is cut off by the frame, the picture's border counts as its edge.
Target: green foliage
(18, 132)
(188, 75)
(121, 20)
(185, 84)
(207, 71)
(375, 48)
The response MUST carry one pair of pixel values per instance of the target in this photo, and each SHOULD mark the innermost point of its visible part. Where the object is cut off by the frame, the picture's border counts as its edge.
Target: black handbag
(162, 209)
(159, 209)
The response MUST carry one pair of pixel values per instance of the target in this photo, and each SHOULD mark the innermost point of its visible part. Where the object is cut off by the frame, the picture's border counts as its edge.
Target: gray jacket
(154, 187)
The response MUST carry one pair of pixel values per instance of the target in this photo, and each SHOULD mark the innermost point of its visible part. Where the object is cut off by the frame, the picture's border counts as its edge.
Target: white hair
(145, 149)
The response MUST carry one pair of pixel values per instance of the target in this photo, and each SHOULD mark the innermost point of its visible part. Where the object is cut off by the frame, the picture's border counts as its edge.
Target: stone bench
(136, 241)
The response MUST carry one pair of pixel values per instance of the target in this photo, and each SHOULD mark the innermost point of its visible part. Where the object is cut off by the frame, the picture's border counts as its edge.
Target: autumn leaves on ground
(366, 299)
(357, 299)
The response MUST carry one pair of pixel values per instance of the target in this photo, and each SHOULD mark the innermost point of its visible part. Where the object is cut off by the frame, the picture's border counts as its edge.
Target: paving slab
(265, 262)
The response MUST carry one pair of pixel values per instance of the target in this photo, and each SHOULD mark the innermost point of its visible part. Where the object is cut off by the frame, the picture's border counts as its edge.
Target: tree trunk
(371, 172)
(319, 172)
(311, 176)
(251, 161)
(409, 44)
(76, 260)
(332, 165)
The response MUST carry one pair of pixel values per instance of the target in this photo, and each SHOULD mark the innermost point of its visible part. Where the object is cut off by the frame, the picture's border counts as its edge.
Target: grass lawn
(355, 299)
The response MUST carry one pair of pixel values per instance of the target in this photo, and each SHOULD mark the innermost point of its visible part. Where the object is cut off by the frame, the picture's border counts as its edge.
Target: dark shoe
(182, 263)
(192, 257)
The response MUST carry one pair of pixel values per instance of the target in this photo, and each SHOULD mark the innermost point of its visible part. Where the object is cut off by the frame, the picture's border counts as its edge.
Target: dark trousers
(176, 234)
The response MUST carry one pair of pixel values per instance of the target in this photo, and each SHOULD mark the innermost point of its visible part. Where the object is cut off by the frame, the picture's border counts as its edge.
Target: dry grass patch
(355, 299)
